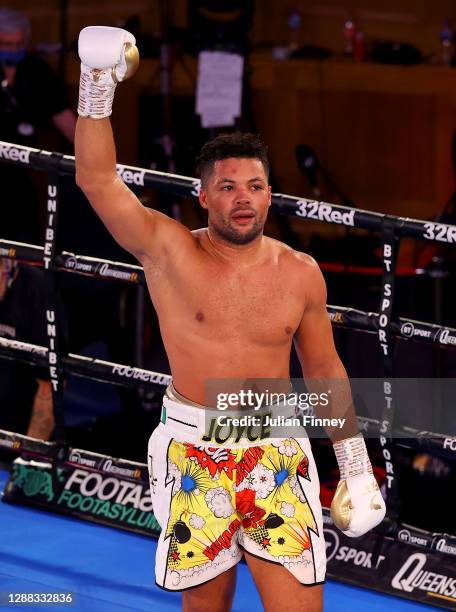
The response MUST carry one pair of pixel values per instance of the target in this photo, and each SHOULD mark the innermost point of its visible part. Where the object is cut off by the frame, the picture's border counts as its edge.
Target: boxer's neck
(240, 253)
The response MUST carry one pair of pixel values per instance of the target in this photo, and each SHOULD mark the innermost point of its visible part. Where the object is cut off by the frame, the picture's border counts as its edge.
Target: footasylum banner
(105, 498)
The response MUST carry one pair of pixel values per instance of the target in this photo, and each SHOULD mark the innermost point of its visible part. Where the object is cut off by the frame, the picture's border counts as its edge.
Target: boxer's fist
(358, 505)
(108, 55)
(101, 47)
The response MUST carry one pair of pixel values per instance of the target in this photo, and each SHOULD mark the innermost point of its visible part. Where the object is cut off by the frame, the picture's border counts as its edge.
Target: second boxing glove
(358, 505)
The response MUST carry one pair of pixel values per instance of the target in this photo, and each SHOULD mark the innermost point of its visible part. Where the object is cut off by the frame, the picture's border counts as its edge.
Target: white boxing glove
(108, 56)
(358, 505)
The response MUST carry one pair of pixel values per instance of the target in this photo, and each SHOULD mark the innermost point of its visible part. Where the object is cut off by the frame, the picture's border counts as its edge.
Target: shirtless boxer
(230, 301)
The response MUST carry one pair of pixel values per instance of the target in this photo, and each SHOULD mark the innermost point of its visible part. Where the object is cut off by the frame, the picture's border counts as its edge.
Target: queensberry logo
(413, 575)
(442, 545)
(109, 466)
(446, 338)
(103, 269)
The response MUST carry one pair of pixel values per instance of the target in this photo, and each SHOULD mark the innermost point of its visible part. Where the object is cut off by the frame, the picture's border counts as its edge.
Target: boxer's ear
(203, 198)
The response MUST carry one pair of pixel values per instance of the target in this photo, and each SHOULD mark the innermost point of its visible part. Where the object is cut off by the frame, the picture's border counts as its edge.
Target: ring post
(390, 248)
(53, 326)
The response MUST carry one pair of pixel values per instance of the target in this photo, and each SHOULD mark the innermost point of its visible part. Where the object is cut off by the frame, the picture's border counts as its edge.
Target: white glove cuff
(352, 457)
(96, 92)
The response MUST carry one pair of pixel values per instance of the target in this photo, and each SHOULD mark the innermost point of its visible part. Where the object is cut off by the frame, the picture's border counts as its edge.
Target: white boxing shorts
(215, 496)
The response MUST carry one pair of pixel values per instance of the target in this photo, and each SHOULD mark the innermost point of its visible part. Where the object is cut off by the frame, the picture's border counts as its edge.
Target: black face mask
(12, 58)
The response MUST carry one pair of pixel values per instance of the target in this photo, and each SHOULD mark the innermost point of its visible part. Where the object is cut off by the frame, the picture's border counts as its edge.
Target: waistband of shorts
(210, 427)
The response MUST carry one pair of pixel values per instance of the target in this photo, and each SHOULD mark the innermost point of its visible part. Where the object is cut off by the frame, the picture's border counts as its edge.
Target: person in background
(31, 96)
(25, 391)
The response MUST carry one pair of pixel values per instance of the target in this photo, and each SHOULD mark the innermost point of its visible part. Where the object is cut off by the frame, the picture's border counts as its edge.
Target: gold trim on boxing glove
(132, 61)
(341, 506)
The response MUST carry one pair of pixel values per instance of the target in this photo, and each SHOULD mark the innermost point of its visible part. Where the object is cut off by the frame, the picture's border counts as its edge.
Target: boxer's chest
(259, 305)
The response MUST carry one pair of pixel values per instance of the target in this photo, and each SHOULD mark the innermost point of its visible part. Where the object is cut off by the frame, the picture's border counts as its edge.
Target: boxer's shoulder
(302, 272)
(301, 259)
(293, 260)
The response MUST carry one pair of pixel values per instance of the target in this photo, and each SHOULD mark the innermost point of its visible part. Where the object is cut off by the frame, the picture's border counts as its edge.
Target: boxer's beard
(225, 230)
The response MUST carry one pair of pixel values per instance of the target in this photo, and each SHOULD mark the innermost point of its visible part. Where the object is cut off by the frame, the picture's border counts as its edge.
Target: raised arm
(120, 210)
(108, 55)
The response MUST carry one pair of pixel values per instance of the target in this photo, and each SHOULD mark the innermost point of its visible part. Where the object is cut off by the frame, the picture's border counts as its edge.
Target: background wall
(414, 21)
(383, 132)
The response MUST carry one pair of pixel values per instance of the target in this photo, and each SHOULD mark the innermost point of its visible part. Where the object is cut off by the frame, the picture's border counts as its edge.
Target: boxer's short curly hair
(225, 146)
